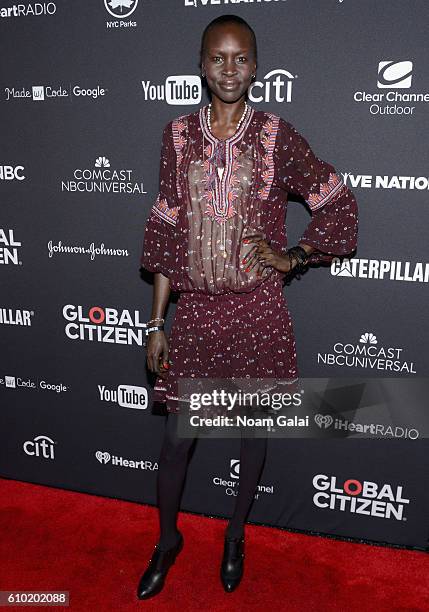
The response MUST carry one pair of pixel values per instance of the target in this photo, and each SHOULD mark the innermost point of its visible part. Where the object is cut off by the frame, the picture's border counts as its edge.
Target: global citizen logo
(368, 181)
(393, 76)
(380, 269)
(105, 458)
(367, 354)
(103, 179)
(9, 248)
(15, 316)
(35, 9)
(40, 446)
(325, 421)
(120, 10)
(12, 173)
(127, 396)
(368, 498)
(96, 324)
(40, 93)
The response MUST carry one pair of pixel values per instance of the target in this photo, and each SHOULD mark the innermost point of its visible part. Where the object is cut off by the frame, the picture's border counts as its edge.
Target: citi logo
(177, 90)
(276, 86)
(126, 396)
(41, 446)
(12, 173)
(395, 75)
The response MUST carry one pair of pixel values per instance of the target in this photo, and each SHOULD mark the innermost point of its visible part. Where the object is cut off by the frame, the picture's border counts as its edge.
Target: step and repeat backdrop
(86, 90)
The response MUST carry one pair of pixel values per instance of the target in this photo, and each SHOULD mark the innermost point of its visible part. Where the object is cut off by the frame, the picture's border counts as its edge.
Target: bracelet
(300, 256)
(154, 328)
(154, 320)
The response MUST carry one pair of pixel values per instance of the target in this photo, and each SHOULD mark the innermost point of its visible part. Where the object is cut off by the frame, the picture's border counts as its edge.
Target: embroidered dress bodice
(212, 193)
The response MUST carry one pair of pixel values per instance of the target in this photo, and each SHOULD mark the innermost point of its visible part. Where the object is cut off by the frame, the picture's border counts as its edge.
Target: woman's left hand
(261, 254)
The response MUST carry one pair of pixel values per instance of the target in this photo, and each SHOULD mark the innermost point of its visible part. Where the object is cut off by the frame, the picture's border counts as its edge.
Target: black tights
(173, 463)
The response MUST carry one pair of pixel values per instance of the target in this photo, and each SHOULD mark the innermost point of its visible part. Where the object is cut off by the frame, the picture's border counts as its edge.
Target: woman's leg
(172, 467)
(252, 457)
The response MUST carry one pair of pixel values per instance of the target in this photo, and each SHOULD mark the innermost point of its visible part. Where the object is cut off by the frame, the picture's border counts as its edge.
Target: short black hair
(221, 20)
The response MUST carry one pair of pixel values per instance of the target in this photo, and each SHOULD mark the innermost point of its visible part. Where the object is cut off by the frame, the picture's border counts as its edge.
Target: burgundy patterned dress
(212, 193)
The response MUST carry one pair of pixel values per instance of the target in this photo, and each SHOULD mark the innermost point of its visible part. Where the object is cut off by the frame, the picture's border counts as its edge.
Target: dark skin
(228, 63)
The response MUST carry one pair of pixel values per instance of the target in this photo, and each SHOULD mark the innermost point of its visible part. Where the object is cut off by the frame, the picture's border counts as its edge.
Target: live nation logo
(368, 354)
(120, 10)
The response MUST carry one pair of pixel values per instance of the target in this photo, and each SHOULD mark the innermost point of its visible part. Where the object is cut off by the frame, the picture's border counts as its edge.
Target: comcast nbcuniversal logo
(103, 178)
(368, 354)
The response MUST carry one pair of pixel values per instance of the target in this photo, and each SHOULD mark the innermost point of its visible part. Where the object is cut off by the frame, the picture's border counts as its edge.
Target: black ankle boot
(231, 569)
(152, 581)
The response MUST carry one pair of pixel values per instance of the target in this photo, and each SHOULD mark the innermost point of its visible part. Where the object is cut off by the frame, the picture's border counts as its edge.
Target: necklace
(220, 170)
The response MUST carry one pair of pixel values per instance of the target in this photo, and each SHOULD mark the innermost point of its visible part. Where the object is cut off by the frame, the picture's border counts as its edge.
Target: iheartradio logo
(102, 457)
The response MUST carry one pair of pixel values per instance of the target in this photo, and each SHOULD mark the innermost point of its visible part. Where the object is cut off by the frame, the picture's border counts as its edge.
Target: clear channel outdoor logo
(102, 178)
(367, 498)
(40, 93)
(367, 354)
(230, 485)
(380, 269)
(9, 248)
(392, 77)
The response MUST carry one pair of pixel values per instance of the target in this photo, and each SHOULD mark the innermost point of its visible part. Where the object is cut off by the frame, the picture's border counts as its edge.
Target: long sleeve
(333, 228)
(159, 244)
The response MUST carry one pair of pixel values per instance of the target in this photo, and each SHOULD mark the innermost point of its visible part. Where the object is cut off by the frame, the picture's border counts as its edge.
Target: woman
(216, 234)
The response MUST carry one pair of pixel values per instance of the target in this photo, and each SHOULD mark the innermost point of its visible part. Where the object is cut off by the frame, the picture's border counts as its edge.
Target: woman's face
(229, 61)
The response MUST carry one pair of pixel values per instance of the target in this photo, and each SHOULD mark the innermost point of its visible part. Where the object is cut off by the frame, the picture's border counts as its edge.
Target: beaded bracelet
(154, 320)
(301, 257)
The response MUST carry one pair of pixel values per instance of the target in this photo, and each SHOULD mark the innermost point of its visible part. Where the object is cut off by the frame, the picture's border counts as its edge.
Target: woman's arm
(157, 346)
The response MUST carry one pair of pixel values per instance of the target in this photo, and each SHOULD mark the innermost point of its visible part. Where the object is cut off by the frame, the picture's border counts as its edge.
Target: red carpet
(97, 548)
